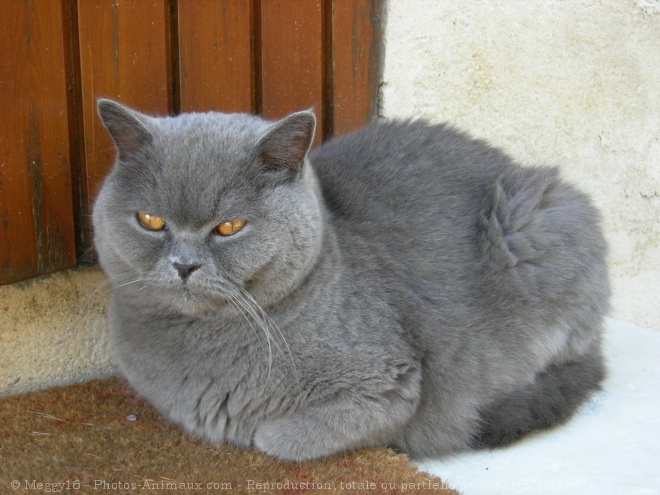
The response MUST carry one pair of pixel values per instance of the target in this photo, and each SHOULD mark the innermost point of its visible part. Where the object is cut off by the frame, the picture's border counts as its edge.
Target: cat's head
(201, 206)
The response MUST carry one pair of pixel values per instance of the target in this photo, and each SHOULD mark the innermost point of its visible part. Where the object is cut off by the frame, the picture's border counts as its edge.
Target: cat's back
(407, 190)
(443, 206)
(408, 167)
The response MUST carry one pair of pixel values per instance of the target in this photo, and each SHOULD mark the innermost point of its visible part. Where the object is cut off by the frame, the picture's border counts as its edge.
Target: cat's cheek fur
(287, 248)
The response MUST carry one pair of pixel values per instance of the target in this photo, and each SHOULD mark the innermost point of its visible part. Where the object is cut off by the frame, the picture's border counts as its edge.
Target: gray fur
(403, 285)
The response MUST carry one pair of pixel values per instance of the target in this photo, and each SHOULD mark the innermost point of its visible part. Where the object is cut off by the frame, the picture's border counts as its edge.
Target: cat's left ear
(285, 145)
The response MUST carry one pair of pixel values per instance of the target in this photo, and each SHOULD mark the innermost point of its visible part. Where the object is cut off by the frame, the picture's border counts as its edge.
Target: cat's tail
(540, 238)
(551, 399)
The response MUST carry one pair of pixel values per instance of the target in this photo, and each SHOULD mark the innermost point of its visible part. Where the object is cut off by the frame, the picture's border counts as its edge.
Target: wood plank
(356, 51)
(124, 55)
(215, 55)
(292, 62)
(37, 234)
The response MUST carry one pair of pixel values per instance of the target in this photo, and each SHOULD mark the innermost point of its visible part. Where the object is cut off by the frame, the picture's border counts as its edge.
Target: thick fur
(403, 285)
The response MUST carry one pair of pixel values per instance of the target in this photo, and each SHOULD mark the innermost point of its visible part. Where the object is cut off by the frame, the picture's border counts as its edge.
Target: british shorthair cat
(404, 285)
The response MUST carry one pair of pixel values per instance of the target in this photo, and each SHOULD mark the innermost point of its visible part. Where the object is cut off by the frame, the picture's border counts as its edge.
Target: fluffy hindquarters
(541, 242)
(545, 269)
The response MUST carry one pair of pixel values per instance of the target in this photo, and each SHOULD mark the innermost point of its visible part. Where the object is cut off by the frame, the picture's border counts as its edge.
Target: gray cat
(404, 285)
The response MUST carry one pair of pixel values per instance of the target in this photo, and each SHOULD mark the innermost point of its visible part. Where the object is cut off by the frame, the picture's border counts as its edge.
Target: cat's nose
(185, 269)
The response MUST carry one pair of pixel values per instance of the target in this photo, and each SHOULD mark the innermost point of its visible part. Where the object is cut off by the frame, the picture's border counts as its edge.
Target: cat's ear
(126, 127)
(285, 145)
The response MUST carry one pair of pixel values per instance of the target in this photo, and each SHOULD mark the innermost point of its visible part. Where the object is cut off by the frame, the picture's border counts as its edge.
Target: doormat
(100, 437)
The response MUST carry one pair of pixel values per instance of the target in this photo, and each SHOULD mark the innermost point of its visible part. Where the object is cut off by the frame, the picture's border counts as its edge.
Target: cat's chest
(217, 380)
(234, 353)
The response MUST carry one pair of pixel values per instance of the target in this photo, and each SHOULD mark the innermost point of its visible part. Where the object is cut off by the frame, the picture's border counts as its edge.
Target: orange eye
(150, 222)
(230, 227)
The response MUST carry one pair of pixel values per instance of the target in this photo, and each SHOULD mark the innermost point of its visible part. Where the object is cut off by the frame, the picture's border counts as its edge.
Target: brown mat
(98, 437)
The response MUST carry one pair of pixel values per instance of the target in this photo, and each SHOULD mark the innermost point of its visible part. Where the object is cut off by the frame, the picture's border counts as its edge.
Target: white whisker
(263, 322)
(128, 283)
(265, 317)
(239, 305)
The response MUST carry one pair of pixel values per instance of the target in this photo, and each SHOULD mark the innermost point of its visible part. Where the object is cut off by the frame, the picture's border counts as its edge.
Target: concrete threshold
(53, 331)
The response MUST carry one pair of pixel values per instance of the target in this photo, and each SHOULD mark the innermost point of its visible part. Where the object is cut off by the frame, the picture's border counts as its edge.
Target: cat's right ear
(125, 126)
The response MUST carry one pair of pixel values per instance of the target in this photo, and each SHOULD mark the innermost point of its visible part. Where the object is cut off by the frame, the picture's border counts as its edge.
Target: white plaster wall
(568, 82)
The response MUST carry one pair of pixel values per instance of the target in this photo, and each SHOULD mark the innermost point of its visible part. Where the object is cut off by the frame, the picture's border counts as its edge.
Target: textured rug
(98, 437)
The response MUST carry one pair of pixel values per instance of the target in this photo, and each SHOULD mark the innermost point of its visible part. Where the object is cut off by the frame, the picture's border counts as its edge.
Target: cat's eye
(230, 227)
(150, 222)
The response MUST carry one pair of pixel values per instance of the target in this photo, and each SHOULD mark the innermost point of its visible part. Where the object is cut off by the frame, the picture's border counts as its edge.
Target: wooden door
(268, 57)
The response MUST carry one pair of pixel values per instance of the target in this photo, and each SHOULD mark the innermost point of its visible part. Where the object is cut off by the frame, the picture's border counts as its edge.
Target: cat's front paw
(283, 440)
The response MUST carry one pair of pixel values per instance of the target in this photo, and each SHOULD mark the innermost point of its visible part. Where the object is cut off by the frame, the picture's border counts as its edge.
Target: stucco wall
(574, 83)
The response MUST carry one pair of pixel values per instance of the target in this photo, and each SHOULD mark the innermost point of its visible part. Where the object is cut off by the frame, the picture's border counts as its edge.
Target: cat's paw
(274, 440)
(283, 440)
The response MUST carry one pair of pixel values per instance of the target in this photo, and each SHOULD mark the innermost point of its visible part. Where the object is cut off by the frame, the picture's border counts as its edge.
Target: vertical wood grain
(355, 63)
(124, 55)
(36, 211)
(292, 61)
(215, 55)
(74, 111)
